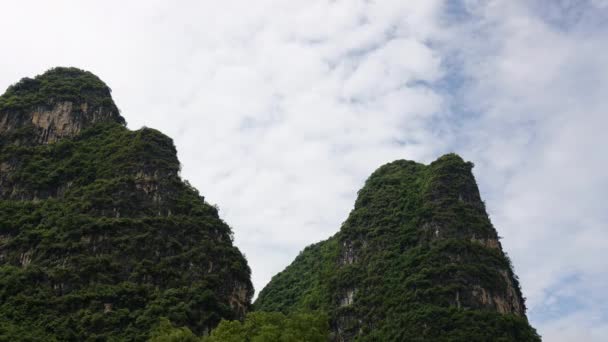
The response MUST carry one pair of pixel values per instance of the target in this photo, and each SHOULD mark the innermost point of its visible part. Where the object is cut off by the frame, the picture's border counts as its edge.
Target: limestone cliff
(417, 259)
(60, 103)
(99, 235)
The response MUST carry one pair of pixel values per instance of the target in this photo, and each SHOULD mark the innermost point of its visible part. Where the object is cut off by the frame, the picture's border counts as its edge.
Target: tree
(166, 332)
(274, 326)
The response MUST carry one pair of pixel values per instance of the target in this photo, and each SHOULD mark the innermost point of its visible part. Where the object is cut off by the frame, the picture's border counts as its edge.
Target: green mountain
(99, 235)
(417, 260)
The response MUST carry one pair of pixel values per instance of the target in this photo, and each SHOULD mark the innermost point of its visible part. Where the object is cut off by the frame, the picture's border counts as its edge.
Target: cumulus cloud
(281, 109)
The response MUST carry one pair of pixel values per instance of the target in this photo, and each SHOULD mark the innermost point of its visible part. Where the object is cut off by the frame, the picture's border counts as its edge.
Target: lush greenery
(411, 262)
(99, 237)
(274, 327)
(55, 85)
(166, 332)
(257, 327)
(303, 285)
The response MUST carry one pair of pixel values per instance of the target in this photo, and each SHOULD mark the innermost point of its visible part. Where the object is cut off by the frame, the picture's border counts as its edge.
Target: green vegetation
(97, 158)
(55, 85)
(274, 327)
(166, 332)
(99, 237)
(257, 327)
(412, 262)
(301, 286)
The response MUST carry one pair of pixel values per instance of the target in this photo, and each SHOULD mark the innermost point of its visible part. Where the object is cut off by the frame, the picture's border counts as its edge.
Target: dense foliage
(58, 84)
(257, 327)
(303, 285)
(274, 327)
(99, 237)
(417, 259)
(166, 332)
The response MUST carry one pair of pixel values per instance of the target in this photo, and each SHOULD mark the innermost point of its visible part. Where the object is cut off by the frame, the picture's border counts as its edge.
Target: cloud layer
(280, 110)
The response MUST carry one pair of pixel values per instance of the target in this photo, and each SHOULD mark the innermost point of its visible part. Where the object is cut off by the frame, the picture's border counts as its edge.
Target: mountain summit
(99, 235)
(417, 259)
(59, 103)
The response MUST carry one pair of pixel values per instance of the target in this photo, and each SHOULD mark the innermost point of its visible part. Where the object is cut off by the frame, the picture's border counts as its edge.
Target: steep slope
(417, 259)
(99, 236)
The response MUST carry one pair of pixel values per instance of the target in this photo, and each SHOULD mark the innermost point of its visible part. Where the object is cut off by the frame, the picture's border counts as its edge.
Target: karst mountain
(99, 235)
(416, 260)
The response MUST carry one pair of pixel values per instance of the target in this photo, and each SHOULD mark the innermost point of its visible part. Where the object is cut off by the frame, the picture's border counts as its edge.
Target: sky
(281, 109)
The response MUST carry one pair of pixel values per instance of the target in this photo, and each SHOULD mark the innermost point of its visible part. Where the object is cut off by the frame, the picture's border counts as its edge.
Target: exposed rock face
(99, 236)
(59, 103)
(417, 258)
(240, 298)
(64, 119)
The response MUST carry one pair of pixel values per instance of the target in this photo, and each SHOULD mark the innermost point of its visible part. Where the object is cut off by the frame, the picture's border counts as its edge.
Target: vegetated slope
(417, 259)
(99, 236)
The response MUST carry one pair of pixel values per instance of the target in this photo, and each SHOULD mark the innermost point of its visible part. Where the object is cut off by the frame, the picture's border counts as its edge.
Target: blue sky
(281, 109)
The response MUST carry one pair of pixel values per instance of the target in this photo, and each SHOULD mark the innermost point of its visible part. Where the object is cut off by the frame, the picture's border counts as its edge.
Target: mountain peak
(58, 103)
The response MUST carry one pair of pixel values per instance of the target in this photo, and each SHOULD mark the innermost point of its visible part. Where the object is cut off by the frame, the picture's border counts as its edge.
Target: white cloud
(281, 109)
(537, 86)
